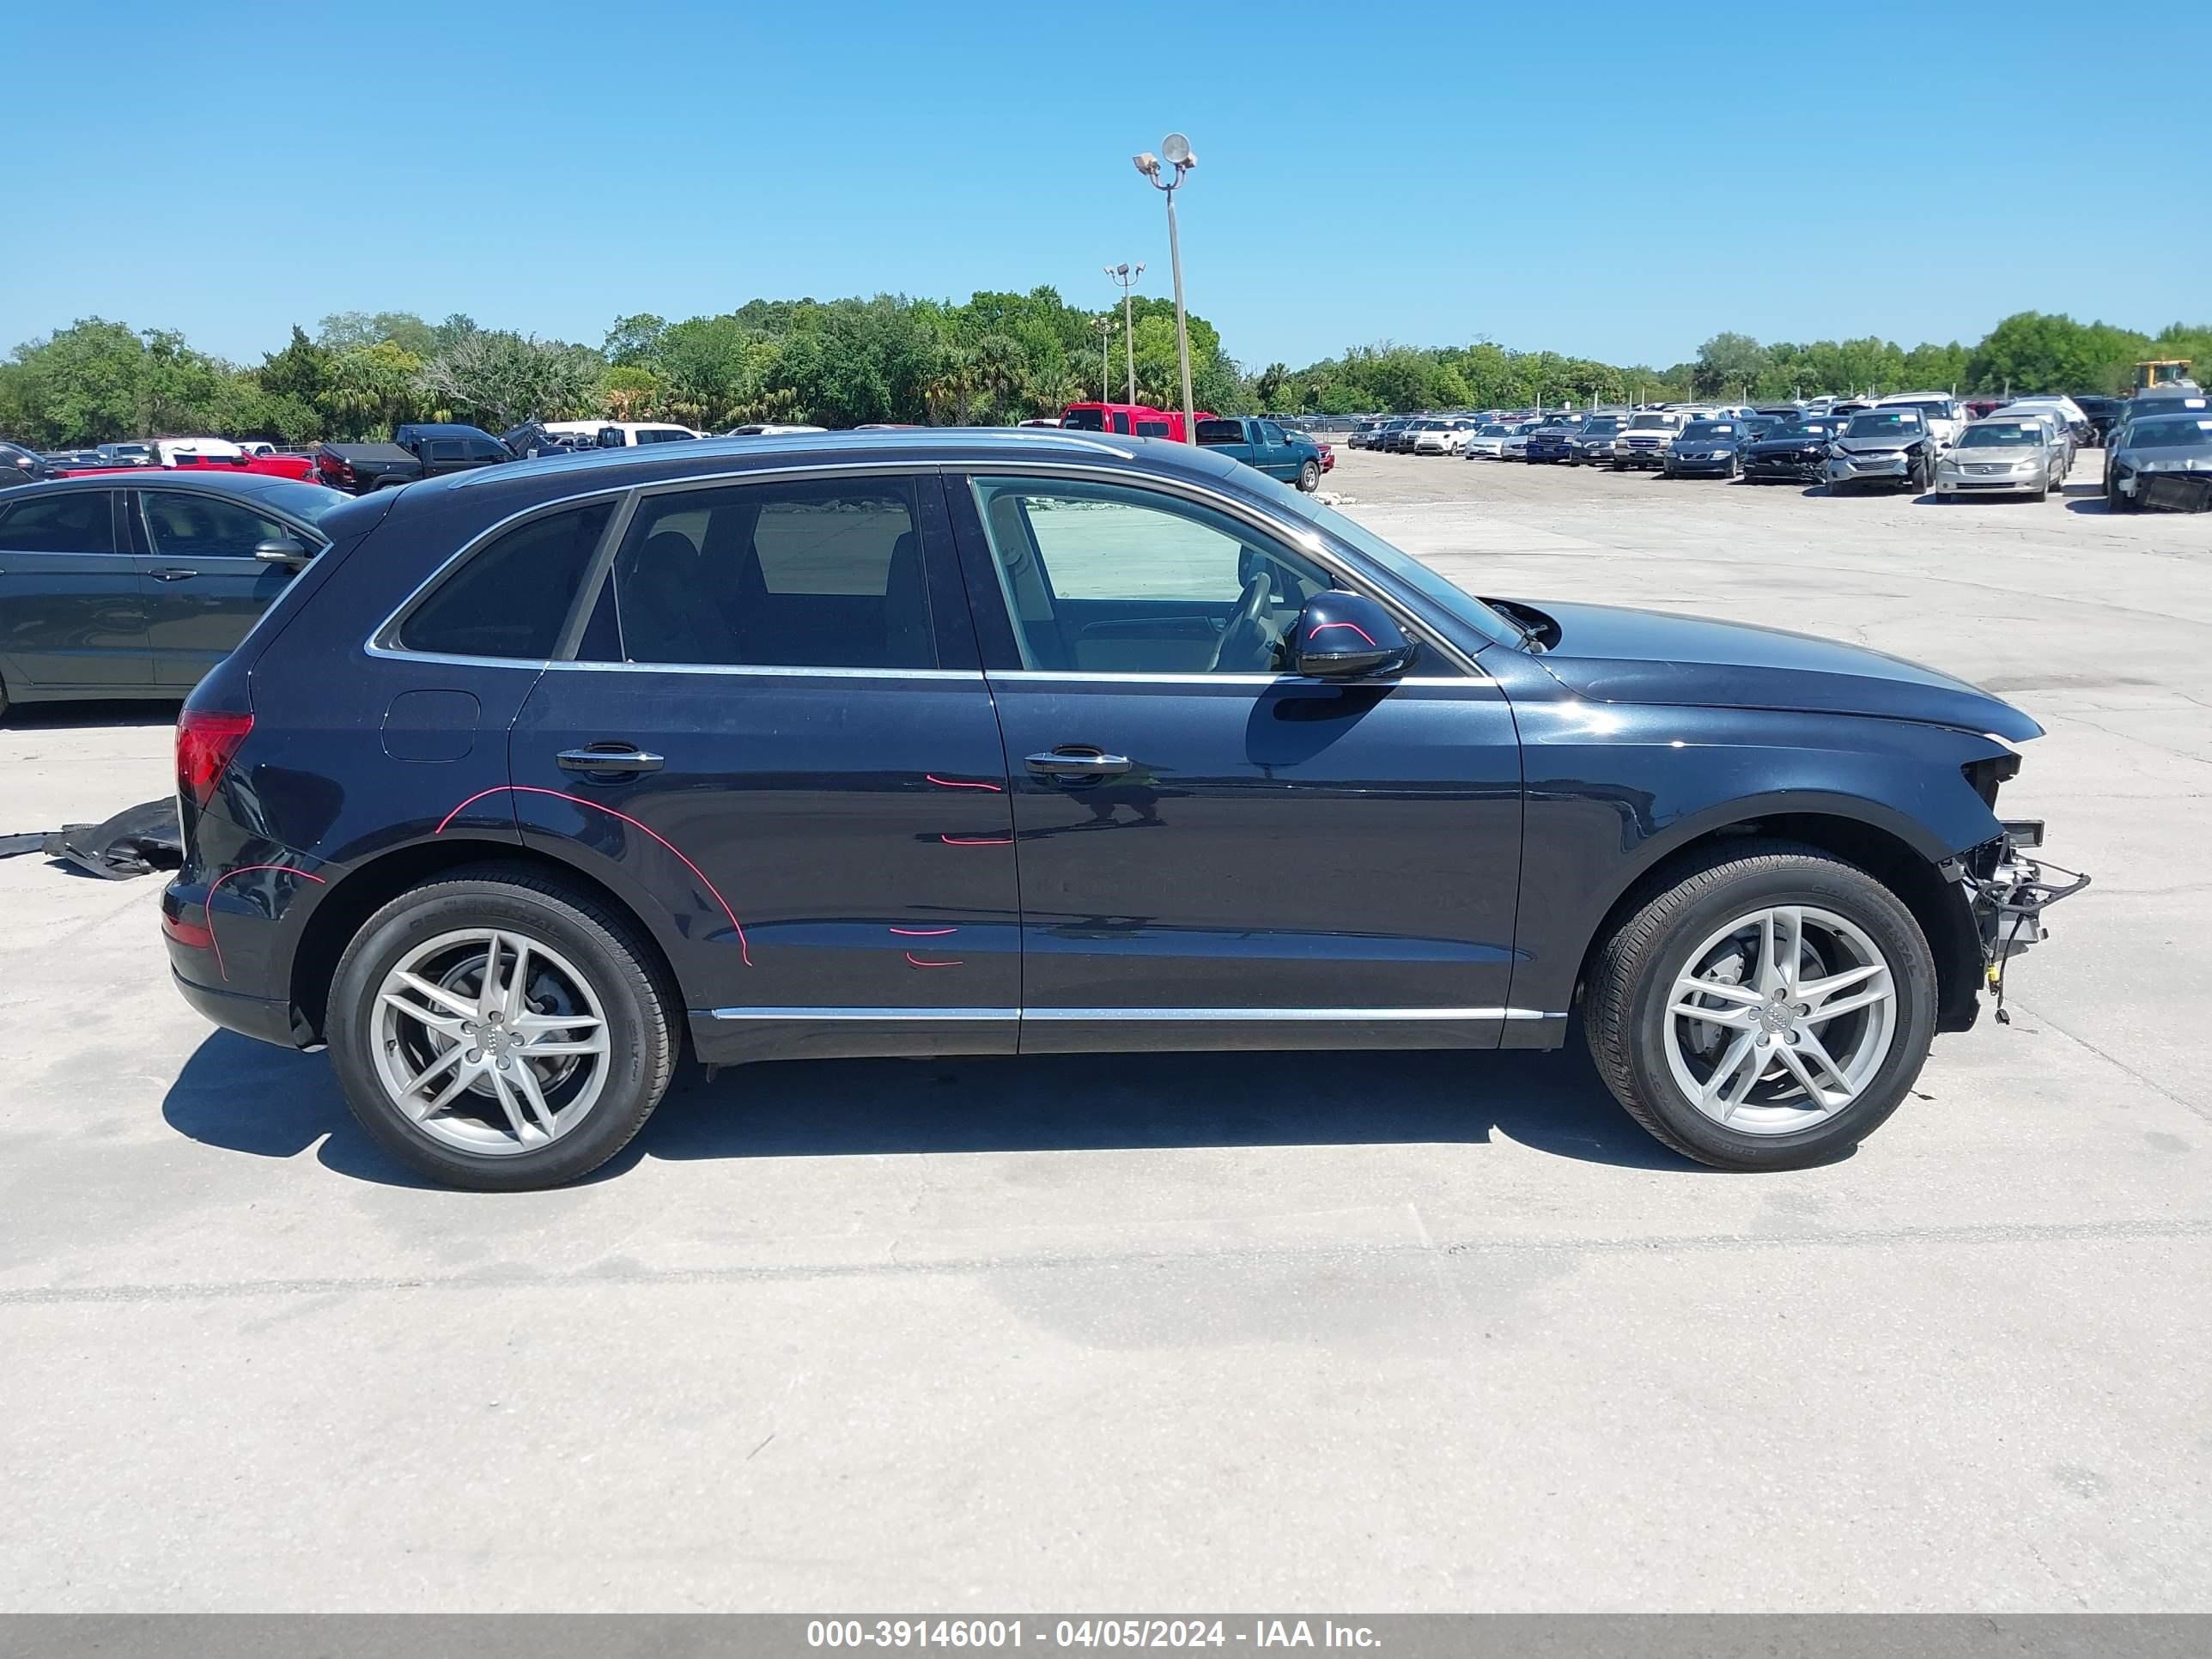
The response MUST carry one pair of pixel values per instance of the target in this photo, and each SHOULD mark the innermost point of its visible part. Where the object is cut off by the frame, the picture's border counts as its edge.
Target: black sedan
(1711, 449)
(1791, 454)
(134, 585)
(962, 742)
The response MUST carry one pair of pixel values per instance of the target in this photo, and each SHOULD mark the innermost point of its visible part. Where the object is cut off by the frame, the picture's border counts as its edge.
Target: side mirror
(284, 551)
(1341, 636)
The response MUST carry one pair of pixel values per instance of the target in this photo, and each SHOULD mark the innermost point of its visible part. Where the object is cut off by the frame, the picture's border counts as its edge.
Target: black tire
(1620, 466)
(3, 700)
(607, 948)
(1632, 974)
(1309, 477)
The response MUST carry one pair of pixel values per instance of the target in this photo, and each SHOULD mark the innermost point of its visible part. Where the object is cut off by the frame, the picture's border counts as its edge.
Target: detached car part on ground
(539, 772)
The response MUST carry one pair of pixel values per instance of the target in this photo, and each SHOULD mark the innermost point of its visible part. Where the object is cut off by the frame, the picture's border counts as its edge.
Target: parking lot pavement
(1426, 1331)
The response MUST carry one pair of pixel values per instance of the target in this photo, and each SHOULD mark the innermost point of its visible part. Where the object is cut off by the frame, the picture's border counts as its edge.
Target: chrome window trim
(1081, 676)
(1150, 1016)
(1287, 1015)
(375, 646)
(1306, 539)
(960, 1014)
(784, 671)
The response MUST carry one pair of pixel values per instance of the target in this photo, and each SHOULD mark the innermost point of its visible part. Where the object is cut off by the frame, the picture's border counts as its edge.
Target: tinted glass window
(512, 597)
(1084, 420)
(824, 574)
(73, 521)
(197, 526)
(1221, 432)
(1153, 429)
(1107, 578)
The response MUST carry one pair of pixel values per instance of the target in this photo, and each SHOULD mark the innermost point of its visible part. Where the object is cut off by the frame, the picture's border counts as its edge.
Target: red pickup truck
(196, 455)
(1128, 420)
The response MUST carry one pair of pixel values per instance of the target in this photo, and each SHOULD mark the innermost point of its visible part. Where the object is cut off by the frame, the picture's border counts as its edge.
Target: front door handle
(608, 760)
(1075, 761)
(174, 574)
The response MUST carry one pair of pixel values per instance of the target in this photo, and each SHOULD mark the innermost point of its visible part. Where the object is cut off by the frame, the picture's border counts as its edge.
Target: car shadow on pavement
(249, 1097)
(1555, 1103)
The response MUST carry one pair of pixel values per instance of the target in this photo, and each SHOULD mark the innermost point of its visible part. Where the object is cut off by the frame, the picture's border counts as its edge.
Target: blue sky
(1612, 180)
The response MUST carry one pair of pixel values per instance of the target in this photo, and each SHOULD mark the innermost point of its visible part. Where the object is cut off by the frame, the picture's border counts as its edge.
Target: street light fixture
(1176, 149)
(1125, 275)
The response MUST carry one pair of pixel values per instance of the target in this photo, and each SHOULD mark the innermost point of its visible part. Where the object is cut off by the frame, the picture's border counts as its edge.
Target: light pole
(1175, 150)
(1106, 358)
(1125, 278)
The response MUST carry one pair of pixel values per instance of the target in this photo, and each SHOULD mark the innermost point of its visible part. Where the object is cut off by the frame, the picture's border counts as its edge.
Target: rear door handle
(1075, 761)
(172, 573)
(608, 759)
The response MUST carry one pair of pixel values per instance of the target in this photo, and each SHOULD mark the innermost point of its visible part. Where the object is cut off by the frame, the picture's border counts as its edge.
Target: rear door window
(511, 598)
(823, 574)
(71, 521)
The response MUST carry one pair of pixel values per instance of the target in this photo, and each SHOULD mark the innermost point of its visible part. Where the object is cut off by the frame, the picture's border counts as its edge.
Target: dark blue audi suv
(989, 742)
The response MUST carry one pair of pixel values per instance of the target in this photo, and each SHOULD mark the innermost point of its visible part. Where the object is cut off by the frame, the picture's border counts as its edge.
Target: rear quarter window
(510, 599)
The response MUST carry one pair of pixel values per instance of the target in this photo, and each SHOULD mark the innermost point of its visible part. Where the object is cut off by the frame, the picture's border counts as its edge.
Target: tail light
(206, 739)
(335, 468)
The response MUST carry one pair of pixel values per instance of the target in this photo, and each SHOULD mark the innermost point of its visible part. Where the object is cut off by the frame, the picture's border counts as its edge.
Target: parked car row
(1929, 441)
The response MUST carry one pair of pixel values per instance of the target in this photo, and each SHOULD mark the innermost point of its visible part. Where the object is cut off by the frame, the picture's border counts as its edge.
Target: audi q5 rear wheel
(497, 1031)
(1766, 1011)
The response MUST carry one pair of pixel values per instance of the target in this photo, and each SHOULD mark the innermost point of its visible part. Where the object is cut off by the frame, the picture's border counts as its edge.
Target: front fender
(1612, 791)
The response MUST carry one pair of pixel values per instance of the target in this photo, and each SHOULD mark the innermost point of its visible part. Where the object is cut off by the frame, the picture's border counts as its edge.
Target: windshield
(1494, 430)
(1652, 423)
(1927, 406)
(1598, 425)
(1709, 429)
(2001, 435)
(2171, 432)
(1885, 424)
(311, 502)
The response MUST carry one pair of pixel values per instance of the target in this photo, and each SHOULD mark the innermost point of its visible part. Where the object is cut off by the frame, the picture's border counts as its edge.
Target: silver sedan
(2016, 456)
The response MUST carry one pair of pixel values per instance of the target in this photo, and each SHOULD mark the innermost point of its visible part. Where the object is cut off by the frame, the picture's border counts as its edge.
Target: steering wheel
(1244, 620)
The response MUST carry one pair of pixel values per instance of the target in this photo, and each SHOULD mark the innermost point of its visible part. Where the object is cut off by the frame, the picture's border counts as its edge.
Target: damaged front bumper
(2007, 892)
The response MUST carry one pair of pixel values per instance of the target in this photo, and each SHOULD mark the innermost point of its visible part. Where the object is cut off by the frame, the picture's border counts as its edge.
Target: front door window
(1102, 578)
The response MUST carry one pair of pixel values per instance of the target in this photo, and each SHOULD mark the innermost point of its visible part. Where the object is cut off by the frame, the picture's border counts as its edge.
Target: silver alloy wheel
(1781, 1019)
(490, 1041)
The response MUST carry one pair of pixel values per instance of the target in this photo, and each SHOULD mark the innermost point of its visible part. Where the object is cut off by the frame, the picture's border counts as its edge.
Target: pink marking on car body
(977, 840)
(745, 951)
(913, 961)
(1323, 628)
(954, 783)
(924, 932)
(207, 904)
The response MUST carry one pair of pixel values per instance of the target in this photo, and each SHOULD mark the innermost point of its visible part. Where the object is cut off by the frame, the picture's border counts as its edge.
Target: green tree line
(996, 358)
(2030, 352)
